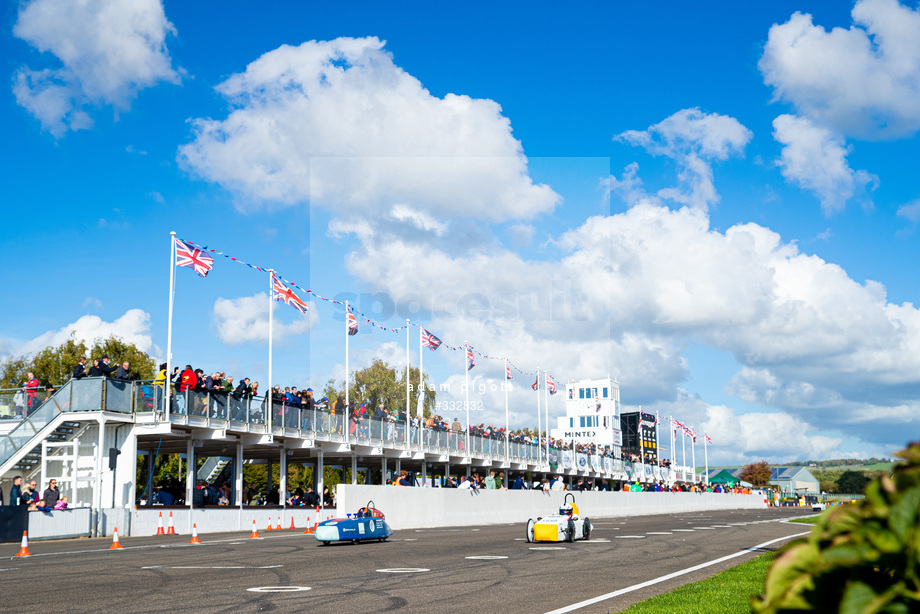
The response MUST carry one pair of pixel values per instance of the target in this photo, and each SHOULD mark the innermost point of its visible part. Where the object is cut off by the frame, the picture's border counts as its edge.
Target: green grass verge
(727, 592)
(809, 520)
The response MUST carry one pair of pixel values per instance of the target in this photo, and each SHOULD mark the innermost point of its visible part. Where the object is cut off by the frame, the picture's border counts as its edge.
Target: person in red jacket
(31, 387)
(187, 381)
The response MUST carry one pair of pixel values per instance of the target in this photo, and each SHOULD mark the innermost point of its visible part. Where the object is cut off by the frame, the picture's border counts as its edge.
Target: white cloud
(692, 139)
(630, 290)
(815, 159)
(338, 124)
(132, 327)
(863, 81)
(744, 438)
(420, 220)
(910, 211)
(108, 50)
(246, 319)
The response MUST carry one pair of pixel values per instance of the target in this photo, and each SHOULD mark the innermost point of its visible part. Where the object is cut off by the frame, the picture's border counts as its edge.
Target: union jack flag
(351, 321)
(536, 383)
(657, 419)
(470, 363)
(550, 384)
(193, 257)
(692, 434)
(708, 439)
(430, 341)
(280, 292)
(508, 372)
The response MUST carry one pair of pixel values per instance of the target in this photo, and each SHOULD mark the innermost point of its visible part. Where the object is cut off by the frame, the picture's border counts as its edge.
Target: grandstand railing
(220, 409)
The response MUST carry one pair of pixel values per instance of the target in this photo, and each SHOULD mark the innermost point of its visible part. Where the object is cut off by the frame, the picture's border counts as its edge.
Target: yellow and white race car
(567, 525)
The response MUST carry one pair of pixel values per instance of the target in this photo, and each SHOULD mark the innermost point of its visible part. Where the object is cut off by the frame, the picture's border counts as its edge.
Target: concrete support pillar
(150, 469)
(398, 466)
(282, 477)
(354, 468)
(189, 477)
(424, 473)
(238, 474)
(318, 476)
(268, 484)
(383, 471)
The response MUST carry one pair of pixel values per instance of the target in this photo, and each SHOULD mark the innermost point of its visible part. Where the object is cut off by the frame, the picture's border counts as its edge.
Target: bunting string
(292, 284)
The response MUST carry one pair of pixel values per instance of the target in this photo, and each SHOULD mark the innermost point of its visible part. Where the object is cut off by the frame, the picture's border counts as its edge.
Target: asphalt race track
(431, 571)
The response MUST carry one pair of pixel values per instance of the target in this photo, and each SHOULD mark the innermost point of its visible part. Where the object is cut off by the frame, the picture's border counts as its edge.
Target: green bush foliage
(860, 558)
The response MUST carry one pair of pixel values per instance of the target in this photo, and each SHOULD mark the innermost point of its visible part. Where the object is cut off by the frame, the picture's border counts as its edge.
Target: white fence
(413, 508)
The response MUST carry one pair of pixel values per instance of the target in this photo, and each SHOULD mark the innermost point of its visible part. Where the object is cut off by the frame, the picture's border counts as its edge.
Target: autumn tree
(758, 474)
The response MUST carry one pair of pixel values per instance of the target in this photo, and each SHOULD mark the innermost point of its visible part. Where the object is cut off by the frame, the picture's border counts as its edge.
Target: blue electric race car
(368, 524)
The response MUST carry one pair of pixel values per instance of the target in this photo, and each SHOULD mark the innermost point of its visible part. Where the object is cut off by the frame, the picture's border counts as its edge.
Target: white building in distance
(592, 414)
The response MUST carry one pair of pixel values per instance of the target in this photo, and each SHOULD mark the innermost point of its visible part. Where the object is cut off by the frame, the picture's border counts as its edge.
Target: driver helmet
(565, 510)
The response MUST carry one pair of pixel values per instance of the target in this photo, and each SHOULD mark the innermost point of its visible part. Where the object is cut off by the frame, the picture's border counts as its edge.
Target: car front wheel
(530, 531)
(586, 529)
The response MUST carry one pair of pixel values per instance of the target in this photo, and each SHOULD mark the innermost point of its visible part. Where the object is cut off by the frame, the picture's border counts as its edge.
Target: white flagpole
(546, 409)
(271, 313)
(169, 325)
(657, 441)
(346, 416)
(546, 414)
(408, 381)
(683, 448)
(706, 458)
(420, 410)
(540, 427)
(507, 441)
(466, 365)
(693, 452)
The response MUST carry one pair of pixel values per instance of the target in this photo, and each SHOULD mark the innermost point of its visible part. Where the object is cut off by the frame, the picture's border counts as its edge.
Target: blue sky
(718, 202)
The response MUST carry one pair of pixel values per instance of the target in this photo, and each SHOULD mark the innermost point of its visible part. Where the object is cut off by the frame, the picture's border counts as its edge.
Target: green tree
(757, 473)
(381, 383)
(54, 364)
(852, 482)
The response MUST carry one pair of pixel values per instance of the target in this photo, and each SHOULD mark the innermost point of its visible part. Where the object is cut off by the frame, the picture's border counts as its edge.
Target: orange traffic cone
(278, 528)
(171, 529)
(255, 534)
(160, 530)
(292, 523)
(194, 539)
(24, 549)
(116, 545)
(309, 530)
(269, 527)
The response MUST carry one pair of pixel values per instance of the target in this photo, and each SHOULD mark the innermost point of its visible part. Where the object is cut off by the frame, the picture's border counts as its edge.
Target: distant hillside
(830, 472)
(837, 464)
(869, 465)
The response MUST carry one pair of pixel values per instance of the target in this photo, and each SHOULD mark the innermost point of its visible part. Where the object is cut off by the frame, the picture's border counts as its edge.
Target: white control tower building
(592, 414)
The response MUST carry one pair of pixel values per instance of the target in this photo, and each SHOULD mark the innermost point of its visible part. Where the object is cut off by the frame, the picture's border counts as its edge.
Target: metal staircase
(212, 468)
(60, 418)
(65, 431)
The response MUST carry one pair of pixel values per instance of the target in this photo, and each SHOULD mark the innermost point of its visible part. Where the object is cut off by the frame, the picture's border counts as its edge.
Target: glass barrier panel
(218, 404)
(7, 449)
(196, 403)
(336, 424)
(86, 394)
(118, 396)
(147, 397)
